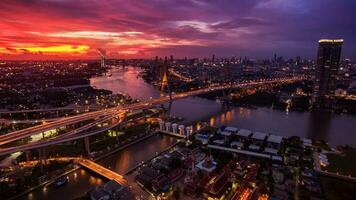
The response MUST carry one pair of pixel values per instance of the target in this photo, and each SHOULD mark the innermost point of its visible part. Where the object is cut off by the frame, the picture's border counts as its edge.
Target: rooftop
(226, 133)
(259, 136)
(99, 194)
(112, 186)
(275, 139)
(331, 40)
(231, 129)
(244, 133)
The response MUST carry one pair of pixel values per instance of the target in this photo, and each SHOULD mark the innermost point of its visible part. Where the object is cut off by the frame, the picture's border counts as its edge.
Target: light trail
(119, 110)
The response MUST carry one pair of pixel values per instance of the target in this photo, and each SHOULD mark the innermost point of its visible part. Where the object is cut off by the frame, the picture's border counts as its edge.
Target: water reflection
(128, 158)
(127, 81)
(82, 181)
(79, 183)
(337, 129)
(319, 125)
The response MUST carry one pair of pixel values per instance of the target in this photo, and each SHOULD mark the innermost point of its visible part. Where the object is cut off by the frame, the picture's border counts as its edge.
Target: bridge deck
(96, 115)
(102, 171)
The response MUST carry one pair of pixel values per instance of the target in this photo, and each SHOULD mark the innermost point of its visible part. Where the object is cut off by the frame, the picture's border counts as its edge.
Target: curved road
(116, 111)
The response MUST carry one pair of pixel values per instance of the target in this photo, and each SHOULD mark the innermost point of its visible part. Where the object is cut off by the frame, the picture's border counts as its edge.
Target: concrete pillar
(189, 130)
(41, 158)
(174, 127)
(181, 129)
(161, 125)
(168, 126)
(87, 145)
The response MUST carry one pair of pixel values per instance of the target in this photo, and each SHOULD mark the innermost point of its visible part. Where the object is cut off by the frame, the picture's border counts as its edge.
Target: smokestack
(102, 56)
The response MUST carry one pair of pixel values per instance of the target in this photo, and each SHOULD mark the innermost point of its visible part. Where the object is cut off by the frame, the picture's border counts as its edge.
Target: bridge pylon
(166, 112)
(164, 79)
(165, 86)
(42, 158)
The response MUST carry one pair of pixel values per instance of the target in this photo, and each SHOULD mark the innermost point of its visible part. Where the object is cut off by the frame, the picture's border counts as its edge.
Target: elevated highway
(107, 114)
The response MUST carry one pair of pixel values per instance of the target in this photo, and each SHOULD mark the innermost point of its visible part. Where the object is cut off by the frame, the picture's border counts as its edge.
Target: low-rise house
(160, 184)
(146, 176)
(273, 144)
(111, 190)
(257, 140)
(217, 186)
(99, 194)
(240, 138)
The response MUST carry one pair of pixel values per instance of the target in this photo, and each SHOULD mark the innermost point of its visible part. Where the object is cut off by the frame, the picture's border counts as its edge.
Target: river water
(337, 129)
(82, 181)
(334, 128)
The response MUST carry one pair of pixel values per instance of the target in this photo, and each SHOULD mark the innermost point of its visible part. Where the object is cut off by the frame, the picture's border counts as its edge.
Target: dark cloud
(240, 23)
(255, 27)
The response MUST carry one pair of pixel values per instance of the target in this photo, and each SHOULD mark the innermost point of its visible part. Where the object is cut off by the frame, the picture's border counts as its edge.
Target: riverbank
(48, 182)
(75, 168)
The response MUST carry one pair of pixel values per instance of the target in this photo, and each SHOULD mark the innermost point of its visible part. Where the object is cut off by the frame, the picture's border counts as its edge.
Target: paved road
(119, 110)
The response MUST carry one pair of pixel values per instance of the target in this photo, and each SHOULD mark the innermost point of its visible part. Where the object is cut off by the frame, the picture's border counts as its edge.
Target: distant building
(329, 52)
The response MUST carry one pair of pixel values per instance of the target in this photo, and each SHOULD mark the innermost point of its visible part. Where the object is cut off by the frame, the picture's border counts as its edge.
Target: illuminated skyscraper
(326, 71)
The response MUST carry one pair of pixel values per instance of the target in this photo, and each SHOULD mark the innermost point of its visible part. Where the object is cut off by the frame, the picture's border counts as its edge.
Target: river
(82, 181)
(334, 128)
(337, 129)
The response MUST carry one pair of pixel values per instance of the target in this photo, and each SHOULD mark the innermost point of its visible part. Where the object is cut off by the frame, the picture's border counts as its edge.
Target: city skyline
(177, 99)
(35, 30)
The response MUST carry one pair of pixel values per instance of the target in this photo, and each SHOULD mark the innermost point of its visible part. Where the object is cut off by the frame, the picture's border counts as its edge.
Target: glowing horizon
(64, 29)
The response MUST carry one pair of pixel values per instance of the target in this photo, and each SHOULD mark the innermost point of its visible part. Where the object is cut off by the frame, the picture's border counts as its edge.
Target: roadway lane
(102, 171)
(54, 141)
(16, 135)
(20, 134)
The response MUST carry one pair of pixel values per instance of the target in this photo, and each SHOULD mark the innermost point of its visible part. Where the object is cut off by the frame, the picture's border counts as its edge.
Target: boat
(61, 181)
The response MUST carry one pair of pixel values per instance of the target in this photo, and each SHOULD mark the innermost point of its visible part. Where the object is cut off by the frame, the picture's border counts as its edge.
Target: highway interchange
(108, 114)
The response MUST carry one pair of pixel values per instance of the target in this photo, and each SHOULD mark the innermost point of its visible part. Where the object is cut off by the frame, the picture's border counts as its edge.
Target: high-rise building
(326, 71)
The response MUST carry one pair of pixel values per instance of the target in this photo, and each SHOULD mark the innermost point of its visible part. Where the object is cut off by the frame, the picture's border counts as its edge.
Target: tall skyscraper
(326, 71)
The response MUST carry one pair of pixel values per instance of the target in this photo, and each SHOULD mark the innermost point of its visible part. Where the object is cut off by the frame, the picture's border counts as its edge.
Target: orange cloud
(56, 49)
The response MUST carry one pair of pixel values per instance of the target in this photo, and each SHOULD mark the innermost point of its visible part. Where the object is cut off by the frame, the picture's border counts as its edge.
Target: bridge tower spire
(164, 79)
(165, 85)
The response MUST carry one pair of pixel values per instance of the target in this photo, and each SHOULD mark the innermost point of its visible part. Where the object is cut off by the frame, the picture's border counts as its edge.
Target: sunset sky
(75, 29)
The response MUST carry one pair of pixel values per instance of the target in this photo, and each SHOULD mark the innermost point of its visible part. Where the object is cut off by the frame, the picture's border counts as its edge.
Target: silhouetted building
(326, 71)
